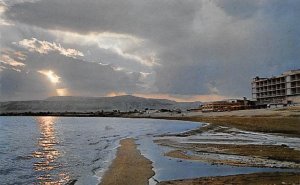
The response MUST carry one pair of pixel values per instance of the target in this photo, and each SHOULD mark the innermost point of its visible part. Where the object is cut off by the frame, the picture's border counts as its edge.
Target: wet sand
(227, 140)
(232, 160)
(285, 122)
(224, 145)
(250, 179)
(129, 167)
(280, 122)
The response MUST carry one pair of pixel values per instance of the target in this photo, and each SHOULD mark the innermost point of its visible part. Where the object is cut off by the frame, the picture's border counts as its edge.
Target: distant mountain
(92, 104)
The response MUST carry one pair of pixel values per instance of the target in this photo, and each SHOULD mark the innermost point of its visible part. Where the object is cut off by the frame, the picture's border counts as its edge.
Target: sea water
(60, 150)
(37, 150)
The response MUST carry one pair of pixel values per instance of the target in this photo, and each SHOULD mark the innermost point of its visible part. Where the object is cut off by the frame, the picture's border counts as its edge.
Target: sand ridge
(129, 167)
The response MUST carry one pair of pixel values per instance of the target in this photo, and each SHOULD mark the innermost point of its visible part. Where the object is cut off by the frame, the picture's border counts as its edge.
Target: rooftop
(290, 72)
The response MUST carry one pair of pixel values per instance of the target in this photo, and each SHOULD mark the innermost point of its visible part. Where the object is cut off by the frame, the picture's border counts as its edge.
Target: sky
(184, 50)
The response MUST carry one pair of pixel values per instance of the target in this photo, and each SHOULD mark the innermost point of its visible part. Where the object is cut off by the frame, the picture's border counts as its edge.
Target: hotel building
(282, 89)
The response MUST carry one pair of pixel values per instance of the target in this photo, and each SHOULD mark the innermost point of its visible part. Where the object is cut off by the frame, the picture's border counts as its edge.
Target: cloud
(74, 76)
(23, 86)
(12, 60)
(3, 20)
(44, 47)
(188, 47)
(54, 78)
(144, 74)
(227, 50)
(240, 9)
(183, 98)
(124, 16)
(56, 71)
(124, 45)
(6, 59)
(2, 68)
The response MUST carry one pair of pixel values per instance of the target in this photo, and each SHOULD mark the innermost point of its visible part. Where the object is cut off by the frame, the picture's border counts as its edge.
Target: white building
(283, 89)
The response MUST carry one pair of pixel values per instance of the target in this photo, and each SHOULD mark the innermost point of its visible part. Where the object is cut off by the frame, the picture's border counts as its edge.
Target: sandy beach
(129, 167)
(284, 121)
(257, 138)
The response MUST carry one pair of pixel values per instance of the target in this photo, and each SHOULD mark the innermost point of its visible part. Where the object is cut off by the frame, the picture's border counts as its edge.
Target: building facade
(227, 105)
(283, 89)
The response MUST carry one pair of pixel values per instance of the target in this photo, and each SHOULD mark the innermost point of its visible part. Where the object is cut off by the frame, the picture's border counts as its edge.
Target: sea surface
(38, 150)
(60, 150)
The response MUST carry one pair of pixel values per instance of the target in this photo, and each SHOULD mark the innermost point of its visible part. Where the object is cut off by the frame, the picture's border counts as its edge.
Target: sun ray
(54, 78)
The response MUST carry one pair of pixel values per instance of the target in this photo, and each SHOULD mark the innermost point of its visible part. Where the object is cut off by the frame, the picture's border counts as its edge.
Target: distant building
(227, 105)
(282, 89)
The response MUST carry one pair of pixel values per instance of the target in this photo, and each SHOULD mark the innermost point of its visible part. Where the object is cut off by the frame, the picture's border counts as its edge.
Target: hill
(92, 104)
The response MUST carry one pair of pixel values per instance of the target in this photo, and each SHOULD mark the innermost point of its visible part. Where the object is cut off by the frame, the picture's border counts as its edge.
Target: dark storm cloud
(239, 8)
(121, 16)
(77, 76)
(204, 47)
(23, 86)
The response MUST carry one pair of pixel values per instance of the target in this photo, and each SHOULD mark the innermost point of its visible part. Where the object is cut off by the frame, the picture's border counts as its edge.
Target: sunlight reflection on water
(62, 150)
(47, 153)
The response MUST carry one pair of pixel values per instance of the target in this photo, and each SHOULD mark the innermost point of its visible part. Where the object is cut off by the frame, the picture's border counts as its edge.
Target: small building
(227, 105)
(277, 90)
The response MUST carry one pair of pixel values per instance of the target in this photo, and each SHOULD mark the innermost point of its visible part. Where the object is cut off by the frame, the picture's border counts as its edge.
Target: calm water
(57, 150)
(37, 150)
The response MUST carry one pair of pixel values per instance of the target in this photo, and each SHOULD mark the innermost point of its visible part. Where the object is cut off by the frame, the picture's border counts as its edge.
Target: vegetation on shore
(262, 154)
(250, 179)
(289, 125)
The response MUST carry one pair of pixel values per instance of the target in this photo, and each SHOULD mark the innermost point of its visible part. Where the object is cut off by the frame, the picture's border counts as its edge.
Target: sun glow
(47, 153)
(62, 92)
(51, 76)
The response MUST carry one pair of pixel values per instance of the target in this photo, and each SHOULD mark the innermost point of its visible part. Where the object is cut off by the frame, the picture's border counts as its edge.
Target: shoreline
(253, 178)
(129, 167)
(279, 122)
(283, 121)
